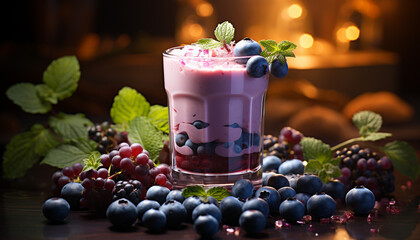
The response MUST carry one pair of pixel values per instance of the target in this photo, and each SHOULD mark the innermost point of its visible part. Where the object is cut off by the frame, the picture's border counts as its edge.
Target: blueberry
(157, 193)
(286, 192)
(206, 149)
(237, 148)
(252, 221)
(257, 66)
(271, 196)
(191, 145)
(56, 209)
(265, 177)
(206, 226)
(145, 205)
(335, 189)
(292, 210)
(257, 204)
(294, 166)
(320, 206)
(271, 163)
(122, 213)
(360, 199)
(279, 70)
(243, 189)
(231, 209)
(213, 201)
(154, 220)
(246, 47)
(207, 208)
(303, 197)
(292, 180)
(180, 139)
(72, 193)
(309, 184)
(175, 213)
(190, 203)
(175, 195)
(278, 181)
(200, 124)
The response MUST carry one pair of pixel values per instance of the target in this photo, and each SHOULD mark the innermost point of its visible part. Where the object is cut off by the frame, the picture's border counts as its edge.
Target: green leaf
(271, 58)
(313, 166)
(26, 149)
(323, 176)
(159, 116)
(195, 190)
(286, 46)
(218, 192)
(281, 59)
(68, 154)
(70, 126)
(141, 130)
(224, 32)
(92, 162)
(46, 93)
(335, 161)
(208, 43)
(404, 158)
(25, 96)
(269, 45)
(288, 54)
(375, 136)
(127, 105)
(367, 122)
(62, 76)
(314, 149)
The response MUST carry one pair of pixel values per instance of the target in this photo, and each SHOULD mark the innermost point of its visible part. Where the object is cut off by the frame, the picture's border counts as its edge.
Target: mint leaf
(25, 149)
(70, 126)
(208, 43)
(66, 155)
(332, 171)
(219, 193)
(367, 122)
(314, 149)
(92, 162)
(273, 51)
(286, 46)
(224, 32)
(288, 54)
(404, 158)
(127, 105)
(46, 93)
(375, 136)
(62, 76)
(160, 117)
(282, 59)
(195, 190)
(25, 96)
(141, 130)
(270, 45)
(313, 166)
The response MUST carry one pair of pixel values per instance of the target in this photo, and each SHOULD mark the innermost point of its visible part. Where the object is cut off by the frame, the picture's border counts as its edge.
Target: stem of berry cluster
(350, 141)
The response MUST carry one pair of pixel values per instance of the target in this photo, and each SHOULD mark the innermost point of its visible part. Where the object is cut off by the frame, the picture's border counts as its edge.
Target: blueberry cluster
(130, 189)
(362, 166)
(106, 137)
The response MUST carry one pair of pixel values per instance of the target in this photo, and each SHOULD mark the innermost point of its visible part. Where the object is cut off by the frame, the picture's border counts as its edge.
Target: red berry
(116, 161)
(77, 169)
(136, 149)
(67, 171)
(142, 159)
(125, 152)
(105, 160)
(103, 173)
(164, 168)
(168, 185)
(109, 184)
(126, 164)
(160, 179)
(154, 172)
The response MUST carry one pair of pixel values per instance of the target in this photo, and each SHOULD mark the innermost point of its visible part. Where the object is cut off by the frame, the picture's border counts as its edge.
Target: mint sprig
(277, 51)
(321, 162)
(224, 34)
(219, 193)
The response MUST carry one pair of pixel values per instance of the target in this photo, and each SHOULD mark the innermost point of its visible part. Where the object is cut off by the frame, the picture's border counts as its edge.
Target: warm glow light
(341, 35)
(352, 33)
(195, 30)
(204, 9)
(306, 40)
(294, 11)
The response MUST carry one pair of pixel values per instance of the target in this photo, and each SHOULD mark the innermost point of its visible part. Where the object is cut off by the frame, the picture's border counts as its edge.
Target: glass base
(182, 179)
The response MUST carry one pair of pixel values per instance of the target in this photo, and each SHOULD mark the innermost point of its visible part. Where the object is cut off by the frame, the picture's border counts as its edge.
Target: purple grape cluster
(106, 137)
(285, 146)
(98, 187)
(64, 176)
(362, 166)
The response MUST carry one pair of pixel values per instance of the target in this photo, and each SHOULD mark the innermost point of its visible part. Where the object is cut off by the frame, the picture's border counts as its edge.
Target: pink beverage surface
(216, 114)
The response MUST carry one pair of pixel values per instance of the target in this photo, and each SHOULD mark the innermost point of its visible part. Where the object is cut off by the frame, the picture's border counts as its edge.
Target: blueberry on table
(122, 213)
(257, 66)
(286, 192)
(246, 47)
(252, 221)
(320, 206)
(257, 204)
(206, 226)
(335, 189)
(72, 193)
(292, 210)
(360, 199)
(302, 197)
(175, 195)
(293, 166)
(56, 209)
(243, 189)
(207, 208)
(145, 205)
(157, 193)
(266, 176)
(278, 69)
(271, 163)
(175, 213)
(271, 196)
(278, 181)
(154, 220)
(309, 183)
(231, 209)
(190, 203)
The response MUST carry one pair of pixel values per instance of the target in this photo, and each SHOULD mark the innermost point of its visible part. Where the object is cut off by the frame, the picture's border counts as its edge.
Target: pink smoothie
(216, 112)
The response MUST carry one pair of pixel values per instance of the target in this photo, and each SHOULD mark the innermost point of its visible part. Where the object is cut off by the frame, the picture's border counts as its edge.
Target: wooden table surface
(21, 218)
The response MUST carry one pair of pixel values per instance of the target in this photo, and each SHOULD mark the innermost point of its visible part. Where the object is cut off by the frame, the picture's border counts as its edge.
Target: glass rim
(167, 53)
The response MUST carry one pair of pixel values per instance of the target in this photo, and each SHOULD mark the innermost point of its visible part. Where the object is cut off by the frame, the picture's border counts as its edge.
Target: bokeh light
(294, 11)
(204, 9)
(306, 40)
